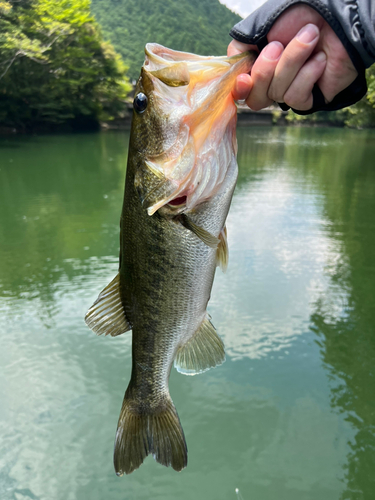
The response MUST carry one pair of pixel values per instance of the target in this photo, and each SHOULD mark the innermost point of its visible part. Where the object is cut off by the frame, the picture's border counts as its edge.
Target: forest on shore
(56, 69)
(62, 69)
(198, 26)
(69, 64)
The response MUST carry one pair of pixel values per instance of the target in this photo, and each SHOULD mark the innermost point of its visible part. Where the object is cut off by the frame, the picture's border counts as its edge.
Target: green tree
(362, 114)
(55, 67)
(199, 26)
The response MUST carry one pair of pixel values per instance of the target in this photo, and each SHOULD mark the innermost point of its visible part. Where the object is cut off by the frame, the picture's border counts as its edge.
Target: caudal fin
(139, 434)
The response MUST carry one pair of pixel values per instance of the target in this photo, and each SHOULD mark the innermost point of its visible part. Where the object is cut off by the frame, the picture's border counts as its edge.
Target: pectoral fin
(107, 314)
(207, 238)
(222, 253)
(203, 351)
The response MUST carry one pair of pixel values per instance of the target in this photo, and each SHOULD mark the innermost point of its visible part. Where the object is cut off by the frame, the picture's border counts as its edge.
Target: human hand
(302, 50)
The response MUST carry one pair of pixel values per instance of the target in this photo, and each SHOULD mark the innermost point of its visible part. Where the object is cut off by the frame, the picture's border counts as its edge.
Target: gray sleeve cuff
(353, 21)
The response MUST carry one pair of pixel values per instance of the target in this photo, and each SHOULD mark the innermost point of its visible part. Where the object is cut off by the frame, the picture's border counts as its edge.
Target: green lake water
(291, 413)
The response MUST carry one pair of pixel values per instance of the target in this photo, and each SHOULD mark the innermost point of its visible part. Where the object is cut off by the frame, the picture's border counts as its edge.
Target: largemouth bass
(180, 179)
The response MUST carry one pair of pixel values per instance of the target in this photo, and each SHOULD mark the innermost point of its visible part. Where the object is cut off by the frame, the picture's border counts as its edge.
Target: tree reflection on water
(348, 339)
(340, 165)
(60, 201)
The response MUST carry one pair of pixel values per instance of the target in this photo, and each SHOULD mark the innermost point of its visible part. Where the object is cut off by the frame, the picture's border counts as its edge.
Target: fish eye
(140, 102)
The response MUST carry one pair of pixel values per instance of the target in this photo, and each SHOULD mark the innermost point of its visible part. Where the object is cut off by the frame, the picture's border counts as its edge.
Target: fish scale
(169, 251)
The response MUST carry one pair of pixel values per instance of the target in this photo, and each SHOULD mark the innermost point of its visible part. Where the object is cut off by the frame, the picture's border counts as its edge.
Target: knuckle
(337, 65)
(302, 102)
(259, 74)
(341, 62)
(255, 106)
(273, 96)
(340, 52)
(291, 101)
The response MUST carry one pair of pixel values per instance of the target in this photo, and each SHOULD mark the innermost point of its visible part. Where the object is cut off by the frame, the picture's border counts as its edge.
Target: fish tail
(140, 433)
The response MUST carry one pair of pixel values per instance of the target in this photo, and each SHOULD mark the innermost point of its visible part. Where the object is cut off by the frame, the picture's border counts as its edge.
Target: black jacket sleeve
(353, 21)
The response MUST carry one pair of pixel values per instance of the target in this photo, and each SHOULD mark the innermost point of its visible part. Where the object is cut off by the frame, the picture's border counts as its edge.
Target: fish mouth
(178, 202)
(196, 91)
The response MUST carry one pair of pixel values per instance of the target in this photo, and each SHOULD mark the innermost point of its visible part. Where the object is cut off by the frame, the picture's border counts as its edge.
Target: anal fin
(107, 314)
(203, 351)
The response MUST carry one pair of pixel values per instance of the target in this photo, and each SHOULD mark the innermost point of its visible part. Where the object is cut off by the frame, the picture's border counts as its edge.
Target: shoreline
(246, 117)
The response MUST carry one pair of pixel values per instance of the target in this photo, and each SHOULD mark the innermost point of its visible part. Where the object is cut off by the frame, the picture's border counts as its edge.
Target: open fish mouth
(194, 92)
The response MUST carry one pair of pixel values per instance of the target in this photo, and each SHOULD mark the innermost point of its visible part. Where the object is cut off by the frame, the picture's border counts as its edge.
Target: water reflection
(336, 177)
(278, 237)
(273, 420)
(312, 220)
(58, 195)
(348, 339)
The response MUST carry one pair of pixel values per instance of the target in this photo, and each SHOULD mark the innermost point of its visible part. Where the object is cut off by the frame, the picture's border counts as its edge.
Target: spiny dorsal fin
(107, 315)
(222, 253)
(207, 238)
(203, 351)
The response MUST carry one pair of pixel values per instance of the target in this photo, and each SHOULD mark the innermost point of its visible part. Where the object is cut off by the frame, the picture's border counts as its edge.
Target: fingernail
(321, 57)
(308, 33)
(273, 51)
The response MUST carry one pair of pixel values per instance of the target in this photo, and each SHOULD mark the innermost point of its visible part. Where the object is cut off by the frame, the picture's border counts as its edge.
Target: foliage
(199, 26)
(362, 114)
(320, 117)
(55, 67)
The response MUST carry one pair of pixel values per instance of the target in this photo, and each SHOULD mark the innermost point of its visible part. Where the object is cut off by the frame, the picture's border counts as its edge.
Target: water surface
(289, 416)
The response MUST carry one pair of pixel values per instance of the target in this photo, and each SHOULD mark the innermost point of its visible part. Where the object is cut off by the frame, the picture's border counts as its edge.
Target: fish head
(183, 127)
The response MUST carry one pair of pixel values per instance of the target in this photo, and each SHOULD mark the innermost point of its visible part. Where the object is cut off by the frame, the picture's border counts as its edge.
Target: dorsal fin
(107, 314)
(203, 351)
